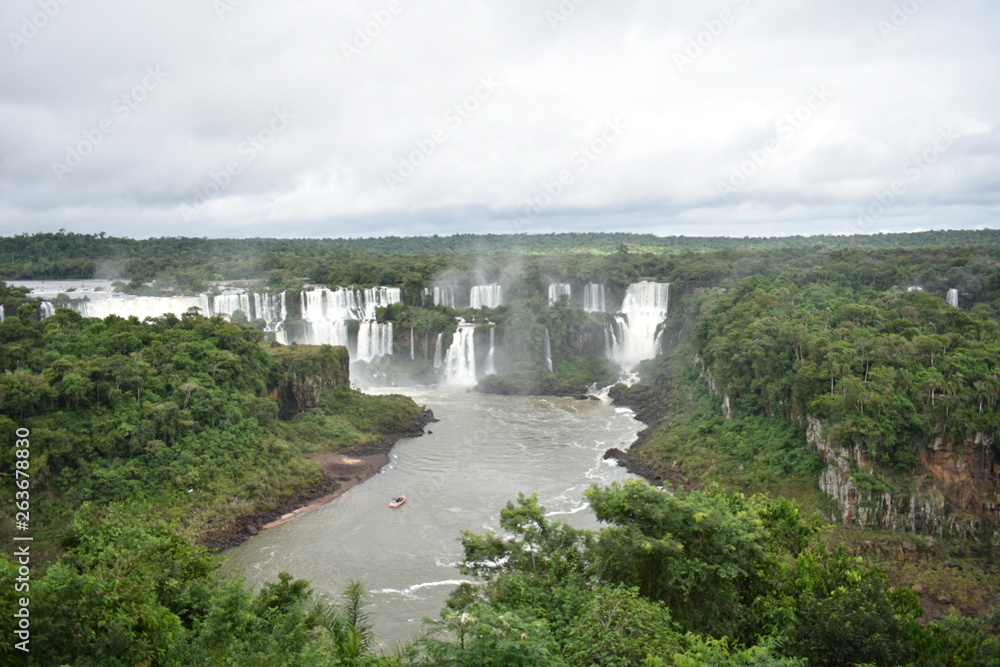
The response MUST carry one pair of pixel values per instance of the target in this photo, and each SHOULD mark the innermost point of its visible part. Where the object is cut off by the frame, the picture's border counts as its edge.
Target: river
(483, 451)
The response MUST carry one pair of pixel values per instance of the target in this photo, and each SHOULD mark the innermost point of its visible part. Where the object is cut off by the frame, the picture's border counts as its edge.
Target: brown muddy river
(483, 451)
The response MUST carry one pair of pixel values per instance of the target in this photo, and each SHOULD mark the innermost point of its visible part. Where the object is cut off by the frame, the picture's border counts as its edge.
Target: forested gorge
(802, 383)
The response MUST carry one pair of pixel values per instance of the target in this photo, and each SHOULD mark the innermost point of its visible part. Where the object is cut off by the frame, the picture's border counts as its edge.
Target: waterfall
(557, 290)
(952, 297)
(324, 311)
(441, 296)
(270, 308)
(374, 340)
(593, 298)
(412, 356)
(612, 338)
(327, 312)
(142, 307)
(460, 365)
(491, 368)
(46, 309)
(486, 296)
(437, 352)
(634, 336)
(548, 351)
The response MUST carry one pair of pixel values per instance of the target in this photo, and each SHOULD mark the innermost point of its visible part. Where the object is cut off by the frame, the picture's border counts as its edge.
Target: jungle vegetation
(145, 433)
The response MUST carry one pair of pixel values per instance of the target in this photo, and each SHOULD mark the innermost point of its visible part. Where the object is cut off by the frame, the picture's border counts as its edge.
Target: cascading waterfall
(558, 290)
(460, 365)
(142, 307)
(374, 340)
(548, 351)
(486, 296)
(593, 298)
(46, 310)
(612, 339)
(491, 368)
(324, 311)
(952, 297)
(327, 312)
(412, 356)
(442, 296)
(437, 352)
(271, 308)
(634, 336)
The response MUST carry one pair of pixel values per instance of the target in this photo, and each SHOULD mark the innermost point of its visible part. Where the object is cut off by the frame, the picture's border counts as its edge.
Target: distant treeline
(189, 263)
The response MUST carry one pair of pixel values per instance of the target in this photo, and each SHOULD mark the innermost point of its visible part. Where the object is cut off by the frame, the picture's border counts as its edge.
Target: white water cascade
(327, 312)
(634, 335)
(548, 351)
(271, 308)
(324, 311)
(491, 367)
(142, 307)
(460, 364)
(593, 298)
(486, 296)
(442, 296)
(437, 352)
(952, 297)
(374, 340)
(412, 357)
(558, 290)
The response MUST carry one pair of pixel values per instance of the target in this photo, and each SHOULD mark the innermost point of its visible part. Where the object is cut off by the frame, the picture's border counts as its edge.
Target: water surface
(483, 451)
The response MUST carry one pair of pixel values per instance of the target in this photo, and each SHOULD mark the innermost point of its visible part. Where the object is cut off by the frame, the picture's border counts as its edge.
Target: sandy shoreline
(341, 471)
(347, 471)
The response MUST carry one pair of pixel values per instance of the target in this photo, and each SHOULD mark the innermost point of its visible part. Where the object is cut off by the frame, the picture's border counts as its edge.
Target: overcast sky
(376, 117)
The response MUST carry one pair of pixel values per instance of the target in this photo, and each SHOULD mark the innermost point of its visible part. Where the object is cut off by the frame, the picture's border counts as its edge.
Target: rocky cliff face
(308, 370)
(955, 490)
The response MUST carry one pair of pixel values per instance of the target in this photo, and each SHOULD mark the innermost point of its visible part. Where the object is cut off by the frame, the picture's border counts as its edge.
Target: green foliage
(387, 413)
(700, 651)
(128, 593)
(482, 636)
(883, 370)
(845, 613)
(697, 579)
(175, 411)
(691, 551)
(617, 627)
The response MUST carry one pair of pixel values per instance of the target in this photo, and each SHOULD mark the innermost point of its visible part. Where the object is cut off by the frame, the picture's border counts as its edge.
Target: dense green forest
(782, 359)
(616, 259)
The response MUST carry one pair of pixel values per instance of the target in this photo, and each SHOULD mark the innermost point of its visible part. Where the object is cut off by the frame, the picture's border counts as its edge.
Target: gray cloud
(701, 89)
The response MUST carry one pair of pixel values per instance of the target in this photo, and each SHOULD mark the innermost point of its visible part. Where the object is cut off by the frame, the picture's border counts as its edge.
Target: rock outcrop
(954, 491)
(308, 370)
